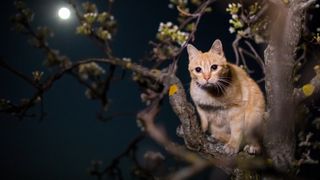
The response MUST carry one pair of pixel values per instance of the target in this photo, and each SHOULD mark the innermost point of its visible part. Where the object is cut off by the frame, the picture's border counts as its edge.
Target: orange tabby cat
(230, 104)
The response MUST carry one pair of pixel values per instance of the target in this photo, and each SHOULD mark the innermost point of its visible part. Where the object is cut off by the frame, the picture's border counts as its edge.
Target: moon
(64, 13)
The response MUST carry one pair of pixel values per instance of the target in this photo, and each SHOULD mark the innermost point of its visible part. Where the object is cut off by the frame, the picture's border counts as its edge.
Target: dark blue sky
(63, 145)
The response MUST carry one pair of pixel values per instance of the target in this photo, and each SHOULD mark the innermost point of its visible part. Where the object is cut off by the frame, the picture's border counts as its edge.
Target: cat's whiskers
(225, 82)
(223, 86)
(220, 87)
(225, 79)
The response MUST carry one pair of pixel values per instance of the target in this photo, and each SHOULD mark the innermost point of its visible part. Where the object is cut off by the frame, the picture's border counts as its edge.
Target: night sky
(63, 145)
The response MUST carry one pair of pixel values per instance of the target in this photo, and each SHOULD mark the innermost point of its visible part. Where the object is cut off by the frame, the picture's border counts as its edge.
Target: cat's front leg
(236, 128)
(203, 120)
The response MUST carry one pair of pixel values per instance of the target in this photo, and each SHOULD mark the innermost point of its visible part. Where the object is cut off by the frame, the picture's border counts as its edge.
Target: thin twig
(243, 60)
(259, 14)
(186, 13)
(131, 147)
(235, 45)
(197, 15)
(6, 66)
(257, 57)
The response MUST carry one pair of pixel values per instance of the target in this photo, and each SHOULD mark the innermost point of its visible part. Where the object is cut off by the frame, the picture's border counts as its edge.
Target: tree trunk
(280, 57)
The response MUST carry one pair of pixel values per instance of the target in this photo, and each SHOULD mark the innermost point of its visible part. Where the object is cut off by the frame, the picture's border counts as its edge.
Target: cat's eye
(198, 69)
(214, 67)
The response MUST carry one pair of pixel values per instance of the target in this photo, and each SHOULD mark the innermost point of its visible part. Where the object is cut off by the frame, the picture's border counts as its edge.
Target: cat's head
(208, 69)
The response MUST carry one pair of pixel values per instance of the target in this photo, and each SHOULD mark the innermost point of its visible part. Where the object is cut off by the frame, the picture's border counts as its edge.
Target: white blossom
(231, 30)
(234, 16)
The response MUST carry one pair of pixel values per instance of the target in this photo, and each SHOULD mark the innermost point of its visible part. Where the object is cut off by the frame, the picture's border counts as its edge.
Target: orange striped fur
(230, 104)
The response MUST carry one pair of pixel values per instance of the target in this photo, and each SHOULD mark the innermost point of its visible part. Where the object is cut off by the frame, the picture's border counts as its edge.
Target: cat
(230, 104)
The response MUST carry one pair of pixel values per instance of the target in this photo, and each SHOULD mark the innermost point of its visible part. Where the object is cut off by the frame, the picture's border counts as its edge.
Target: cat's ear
(192, 52)
(217, 47)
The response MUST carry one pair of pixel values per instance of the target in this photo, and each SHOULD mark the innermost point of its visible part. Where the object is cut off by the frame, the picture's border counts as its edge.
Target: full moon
(64, 13)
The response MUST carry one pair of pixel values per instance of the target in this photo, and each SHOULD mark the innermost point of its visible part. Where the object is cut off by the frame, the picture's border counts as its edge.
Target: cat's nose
(206, 76)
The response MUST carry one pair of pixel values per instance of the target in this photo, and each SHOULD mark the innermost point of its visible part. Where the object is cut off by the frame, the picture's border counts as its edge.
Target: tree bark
(280, 58)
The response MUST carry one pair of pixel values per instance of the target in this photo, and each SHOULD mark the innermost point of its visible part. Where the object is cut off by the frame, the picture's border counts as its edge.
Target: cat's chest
(230, 99)
(216, 115)
(201, 97)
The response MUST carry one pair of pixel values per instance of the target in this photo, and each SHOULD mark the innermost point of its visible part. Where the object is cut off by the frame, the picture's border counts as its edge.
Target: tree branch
(6, 66)
(132, 145)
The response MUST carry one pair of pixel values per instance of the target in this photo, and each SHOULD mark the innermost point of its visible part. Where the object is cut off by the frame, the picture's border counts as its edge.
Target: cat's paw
(211, 138)
(252, 149)
(230, 149)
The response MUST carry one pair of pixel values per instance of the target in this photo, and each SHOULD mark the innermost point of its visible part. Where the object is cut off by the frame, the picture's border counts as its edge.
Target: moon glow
(64, 13)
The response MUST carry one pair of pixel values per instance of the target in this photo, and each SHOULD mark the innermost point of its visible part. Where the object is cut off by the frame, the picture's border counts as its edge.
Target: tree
(292, 51)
